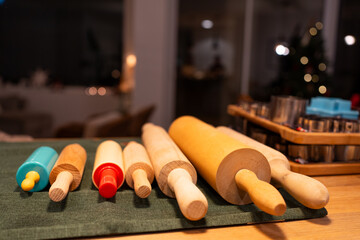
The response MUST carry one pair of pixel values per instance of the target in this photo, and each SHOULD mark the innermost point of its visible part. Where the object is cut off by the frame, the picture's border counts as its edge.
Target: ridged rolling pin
(174, 173)
(139, 171)
(108, 172)
(67, 172)
(308, 191)
(240, 174)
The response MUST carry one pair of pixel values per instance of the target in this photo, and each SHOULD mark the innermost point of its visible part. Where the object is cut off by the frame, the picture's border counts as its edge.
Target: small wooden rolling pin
(238, 173)
(138, 169)
(108, 173)
(67, 172)
(308, 191)
(174, 173)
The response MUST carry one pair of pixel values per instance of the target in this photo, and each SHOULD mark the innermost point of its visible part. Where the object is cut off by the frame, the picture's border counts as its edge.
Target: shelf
(322, 169)
(296, 136)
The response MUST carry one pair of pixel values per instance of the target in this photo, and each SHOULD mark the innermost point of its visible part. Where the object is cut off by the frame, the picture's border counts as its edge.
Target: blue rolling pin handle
(42, 160)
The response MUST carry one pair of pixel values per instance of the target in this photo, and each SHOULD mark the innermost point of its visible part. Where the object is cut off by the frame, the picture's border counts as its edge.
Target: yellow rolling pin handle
(264, 195)
(30, 180)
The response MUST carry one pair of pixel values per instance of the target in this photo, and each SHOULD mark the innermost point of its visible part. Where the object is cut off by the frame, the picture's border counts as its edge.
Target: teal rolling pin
(33, 174)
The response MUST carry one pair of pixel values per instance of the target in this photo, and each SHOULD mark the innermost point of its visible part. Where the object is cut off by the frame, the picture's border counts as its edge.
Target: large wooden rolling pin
(174, 173)
(138, 169)
(67, 171)
(308, 191)
(240, 174)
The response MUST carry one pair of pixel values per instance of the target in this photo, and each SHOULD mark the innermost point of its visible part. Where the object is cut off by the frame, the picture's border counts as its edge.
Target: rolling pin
(67, 172)
(139, 171)
(240, 174)
(108, 172)
(308, 191)
(174, 173)
(33, 174)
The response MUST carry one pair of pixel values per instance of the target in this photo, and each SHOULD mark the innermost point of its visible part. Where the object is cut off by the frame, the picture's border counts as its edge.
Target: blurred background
(103, 68)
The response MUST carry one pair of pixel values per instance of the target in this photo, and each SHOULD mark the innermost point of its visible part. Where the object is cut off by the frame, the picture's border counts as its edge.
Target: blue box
(331, 107)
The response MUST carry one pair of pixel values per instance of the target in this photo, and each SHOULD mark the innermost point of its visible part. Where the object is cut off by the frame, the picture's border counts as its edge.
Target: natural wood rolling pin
(308, 191)
(174, 173)
(67, 172)
(138, 169)
(238, 173)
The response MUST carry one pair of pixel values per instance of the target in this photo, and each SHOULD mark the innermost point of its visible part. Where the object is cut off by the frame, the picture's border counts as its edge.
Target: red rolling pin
(108, 173)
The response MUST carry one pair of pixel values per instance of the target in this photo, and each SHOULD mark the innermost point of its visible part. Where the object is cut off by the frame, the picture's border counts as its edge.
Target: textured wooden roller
(67, 172)
(240, 174)
(175, 175)
(138, 169)
(308, 191)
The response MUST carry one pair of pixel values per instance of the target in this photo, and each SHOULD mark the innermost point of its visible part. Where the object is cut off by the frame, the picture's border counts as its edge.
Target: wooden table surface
(342, 221)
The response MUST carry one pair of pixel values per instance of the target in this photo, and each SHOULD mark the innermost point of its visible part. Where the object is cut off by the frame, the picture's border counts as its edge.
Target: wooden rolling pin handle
(60, 188)
(311, 193)
(264, 195)
(191, 200)
(142, 185)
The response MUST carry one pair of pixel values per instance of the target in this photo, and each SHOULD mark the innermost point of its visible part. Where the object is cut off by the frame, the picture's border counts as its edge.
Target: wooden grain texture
(138, 169)
(72, 159)
(342, 222)
(219, 158)
(263, 194)
(308, 191)
(165, 156)
(270, 153)
(191, 200)
(174, 173)
(60, 188)
(296, 136)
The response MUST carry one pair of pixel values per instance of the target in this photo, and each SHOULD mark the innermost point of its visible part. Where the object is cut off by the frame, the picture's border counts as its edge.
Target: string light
(350, 40)
(312, 31)
(322, 67)
(207, 24)
(131, 60)
(315, 78)
(319, 25)
(304, 60)
(115, 73)
(101, 91)
(322, 89)
(307, 77)
(281, 50)
(92, 91)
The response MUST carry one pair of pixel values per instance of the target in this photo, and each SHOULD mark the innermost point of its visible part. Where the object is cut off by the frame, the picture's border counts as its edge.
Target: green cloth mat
(85, 213)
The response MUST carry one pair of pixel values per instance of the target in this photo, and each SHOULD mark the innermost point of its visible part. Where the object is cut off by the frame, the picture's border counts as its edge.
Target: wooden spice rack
(307, 138)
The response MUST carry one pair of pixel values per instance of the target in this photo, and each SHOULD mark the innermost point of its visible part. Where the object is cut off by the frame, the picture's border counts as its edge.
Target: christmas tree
(303, 66)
